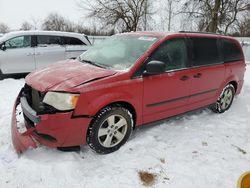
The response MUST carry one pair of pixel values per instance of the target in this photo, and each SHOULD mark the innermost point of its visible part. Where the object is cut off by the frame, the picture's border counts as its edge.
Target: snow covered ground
(197, 150)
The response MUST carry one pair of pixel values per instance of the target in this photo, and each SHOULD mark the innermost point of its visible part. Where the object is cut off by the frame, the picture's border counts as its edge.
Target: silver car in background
(96, 39)
(25, 51)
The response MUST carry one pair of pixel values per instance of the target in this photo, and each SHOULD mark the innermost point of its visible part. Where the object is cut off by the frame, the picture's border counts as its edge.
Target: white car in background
(25, 51)
(96, 39)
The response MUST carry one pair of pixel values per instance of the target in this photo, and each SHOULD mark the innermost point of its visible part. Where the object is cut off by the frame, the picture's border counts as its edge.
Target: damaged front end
(27, 113)
(34, 122)
(20, 130)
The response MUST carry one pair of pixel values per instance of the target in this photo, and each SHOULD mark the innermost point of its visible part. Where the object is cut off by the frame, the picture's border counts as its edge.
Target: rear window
(72, 41)
(205, 51)
(231, 51)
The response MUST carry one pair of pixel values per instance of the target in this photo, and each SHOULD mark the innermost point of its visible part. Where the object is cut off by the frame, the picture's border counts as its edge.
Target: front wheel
(110, 129)
(225, 100)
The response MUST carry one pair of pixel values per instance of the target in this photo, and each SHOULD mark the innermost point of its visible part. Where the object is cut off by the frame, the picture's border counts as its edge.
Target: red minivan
(128, 80)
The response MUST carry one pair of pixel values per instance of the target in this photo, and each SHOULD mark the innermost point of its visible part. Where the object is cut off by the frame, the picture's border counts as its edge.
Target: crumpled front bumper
(21, 141)
(60, 129)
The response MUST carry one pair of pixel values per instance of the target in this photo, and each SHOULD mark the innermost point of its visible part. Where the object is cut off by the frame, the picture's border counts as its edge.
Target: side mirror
(3, 47)
(154, 67)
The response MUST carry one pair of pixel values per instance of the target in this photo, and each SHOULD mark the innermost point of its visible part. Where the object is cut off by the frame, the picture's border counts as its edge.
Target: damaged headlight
(61, 101)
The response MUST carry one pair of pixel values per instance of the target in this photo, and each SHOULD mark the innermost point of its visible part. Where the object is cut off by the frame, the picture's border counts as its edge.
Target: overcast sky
(14, 12)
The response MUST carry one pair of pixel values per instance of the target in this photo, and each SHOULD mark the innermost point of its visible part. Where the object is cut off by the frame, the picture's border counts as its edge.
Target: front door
(167, 94)
(18, 56)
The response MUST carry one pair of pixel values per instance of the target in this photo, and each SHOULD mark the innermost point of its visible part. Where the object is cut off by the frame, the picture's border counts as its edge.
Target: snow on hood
(64, 75)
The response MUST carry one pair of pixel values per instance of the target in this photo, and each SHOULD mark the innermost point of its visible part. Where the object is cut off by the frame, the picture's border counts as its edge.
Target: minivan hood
(64, 75)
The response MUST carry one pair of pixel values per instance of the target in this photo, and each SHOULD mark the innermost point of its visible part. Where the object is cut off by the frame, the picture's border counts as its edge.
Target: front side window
(205, 51)
(46, 40)
(18, 42)
(118, 52)
(173, 53)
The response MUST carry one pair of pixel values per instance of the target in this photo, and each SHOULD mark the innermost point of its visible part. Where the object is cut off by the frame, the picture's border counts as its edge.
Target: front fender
(90, 104)
(108, 99)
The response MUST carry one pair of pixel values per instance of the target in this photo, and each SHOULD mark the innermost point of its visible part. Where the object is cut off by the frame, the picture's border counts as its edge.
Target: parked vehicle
(126, 81)
(25, 51)
(96, 39)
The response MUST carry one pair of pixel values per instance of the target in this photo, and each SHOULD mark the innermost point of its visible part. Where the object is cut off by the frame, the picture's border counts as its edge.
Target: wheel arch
(123, 104)
(235, 84)
(92, 137)
(234, 80)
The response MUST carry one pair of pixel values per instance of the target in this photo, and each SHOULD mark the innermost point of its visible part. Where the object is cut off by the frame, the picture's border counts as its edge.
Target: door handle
(198, 75)
(184, 78)
(29, 54)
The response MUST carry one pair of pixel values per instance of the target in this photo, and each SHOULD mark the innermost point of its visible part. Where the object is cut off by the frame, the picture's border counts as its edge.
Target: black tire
(225, 100)
(1, 75)
(107, 127)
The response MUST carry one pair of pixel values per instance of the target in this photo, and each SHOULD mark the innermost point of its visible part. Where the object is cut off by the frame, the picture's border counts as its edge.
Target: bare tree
(56, 22)
(215, 15)
(35, 23)
(4, 28)
(92, 30)
(147, 14)
(26, 26)
(123, 15)
(230, 15)
(170, 13)
(242, 26)
(171, 9)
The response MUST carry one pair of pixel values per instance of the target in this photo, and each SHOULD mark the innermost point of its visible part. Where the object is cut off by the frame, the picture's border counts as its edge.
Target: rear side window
(45, 40)
(72, 41)
(173, 53)
(205, 51)
(231, 51)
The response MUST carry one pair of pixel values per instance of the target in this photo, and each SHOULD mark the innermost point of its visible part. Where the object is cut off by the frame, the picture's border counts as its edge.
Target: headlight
(61, 101)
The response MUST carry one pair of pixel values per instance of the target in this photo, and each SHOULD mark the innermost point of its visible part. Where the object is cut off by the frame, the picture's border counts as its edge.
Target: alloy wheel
(112, 131)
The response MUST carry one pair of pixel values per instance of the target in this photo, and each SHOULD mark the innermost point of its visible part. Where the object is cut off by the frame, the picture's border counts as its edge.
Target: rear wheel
(110, 129)
(225, 100)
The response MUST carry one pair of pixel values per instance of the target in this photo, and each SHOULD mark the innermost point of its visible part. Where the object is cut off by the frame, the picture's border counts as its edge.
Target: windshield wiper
(93, 63)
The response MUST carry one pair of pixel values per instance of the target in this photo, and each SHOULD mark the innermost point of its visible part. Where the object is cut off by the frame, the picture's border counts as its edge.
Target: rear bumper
(52, 130)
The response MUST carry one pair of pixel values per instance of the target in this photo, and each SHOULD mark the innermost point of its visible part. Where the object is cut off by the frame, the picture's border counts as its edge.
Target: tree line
(231, 17)
(56, 22)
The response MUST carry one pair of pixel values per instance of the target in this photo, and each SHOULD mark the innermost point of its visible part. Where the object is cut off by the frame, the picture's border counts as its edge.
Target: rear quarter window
(231, 51)
(72, 41)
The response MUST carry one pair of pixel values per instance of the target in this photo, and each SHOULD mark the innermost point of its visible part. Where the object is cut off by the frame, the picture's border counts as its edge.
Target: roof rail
(201, 32)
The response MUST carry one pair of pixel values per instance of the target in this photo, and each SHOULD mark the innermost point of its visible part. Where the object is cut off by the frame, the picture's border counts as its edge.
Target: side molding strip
(180, 98)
